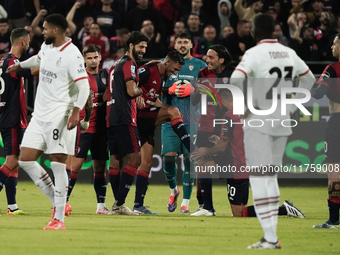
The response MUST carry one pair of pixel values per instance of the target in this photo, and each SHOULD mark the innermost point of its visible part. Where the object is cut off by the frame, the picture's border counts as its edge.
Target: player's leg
(69, 166)
(115, 162)
(238, 194)
(32, 147)
(142, 181)
(127, 138)
(75, 169)
(170, 146)
(173, 115)
(258, 151)
(188, 182)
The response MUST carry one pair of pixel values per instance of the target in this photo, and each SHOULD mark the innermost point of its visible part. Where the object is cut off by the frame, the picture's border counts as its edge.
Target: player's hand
(202, 88)
(84, 125)
(140, 102)
(175, 86)
(214, 139)
(185, 90)
(199, 153)
(73, 120)
(153, 61)
(42, 12)
(14, 68)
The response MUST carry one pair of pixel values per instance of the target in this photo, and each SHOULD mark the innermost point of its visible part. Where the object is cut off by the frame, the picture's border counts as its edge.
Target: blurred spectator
(16, 13)
(97, 38)
(249, 13)
(227, 31)
(83, 9)
(194, 28)
(119, 41)
(171, 11)
(108, 19)
(136, 16)
(304, 44)
(297, 6)
(209, 38)
(314, 16)
(155, 47)
(224, 12)
(38, 21)
(272, 12)
(279, 36)
(178, 28)
(35, 43)
(5, 43)
(82, 31)
(325, 35)
(109, 62)
(295, 21)
(237, 43)
(53, 6)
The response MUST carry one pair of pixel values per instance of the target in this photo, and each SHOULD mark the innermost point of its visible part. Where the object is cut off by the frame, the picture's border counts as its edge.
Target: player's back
(13, 109)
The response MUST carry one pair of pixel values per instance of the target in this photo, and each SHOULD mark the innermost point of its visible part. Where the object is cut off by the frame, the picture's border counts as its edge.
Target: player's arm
(132, 89)
(221, 145)
(32, 62)
(70, 16)
(326, 80)
(84, 123)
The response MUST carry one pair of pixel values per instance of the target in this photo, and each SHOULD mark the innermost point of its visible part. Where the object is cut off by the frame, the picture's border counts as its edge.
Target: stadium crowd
(307, 26)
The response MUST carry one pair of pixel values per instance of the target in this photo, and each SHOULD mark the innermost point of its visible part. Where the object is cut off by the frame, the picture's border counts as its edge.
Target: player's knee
(134, 160)
(169, 160)
(146, 165)
(174, 113)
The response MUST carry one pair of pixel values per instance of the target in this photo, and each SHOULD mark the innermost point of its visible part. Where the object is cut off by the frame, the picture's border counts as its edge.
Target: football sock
(333, 211)
(174, 191)
(142, 183)
(71, 183)
(266, 200)
(60, 189)
(99, 184)
(181, 131)
(188, 182)
(11, 188)
(249, 211)
(206, 189)
(185, 202)
(114, 180)
(199, 195)
(170, 170)
(40, 177)
(126, 181)
(100, 206)
(68, 171)
(5, 172)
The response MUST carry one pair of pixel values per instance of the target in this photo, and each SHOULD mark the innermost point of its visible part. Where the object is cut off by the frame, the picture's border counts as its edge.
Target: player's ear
(221, 61)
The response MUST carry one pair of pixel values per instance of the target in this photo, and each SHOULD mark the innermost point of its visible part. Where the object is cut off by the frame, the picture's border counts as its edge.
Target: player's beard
(135, 54)
(49, 40)
(24, 50)
(185, 52)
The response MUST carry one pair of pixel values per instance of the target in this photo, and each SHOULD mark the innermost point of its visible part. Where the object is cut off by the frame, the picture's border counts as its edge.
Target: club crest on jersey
(225, 80)
(104, 81)
(191, 67)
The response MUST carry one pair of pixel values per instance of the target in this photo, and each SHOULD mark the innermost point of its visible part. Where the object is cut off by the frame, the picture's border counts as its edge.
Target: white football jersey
(60, 68)
(270, 65)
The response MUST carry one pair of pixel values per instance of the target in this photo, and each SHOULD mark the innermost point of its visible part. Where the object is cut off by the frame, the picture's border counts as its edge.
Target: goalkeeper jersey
(189, 72)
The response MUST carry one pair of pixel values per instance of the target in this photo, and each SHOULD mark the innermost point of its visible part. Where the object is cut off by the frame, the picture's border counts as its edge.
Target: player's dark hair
(95, 23)
(338, 35)
(225, 94)
(222, 52)
(18, 33)
(194, 14)
(176, 57)
(57, 20)
(135, 38)
(91, 48)
(3, 21)
(183, 35)
(264, 27)
(241, 22)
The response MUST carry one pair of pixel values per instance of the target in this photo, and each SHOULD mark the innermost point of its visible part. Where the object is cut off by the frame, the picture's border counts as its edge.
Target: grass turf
(169, 233)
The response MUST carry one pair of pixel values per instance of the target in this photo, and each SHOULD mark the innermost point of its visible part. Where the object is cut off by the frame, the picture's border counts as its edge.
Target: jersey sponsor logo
(141, 70)
(225, 80)
(191, 67)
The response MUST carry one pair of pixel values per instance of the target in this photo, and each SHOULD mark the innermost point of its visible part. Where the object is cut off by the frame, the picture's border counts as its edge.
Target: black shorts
(12, 138)
(146, 129)
(203, 139)
(238, 191)
(123, 139)
(332, 139)
(95, 142)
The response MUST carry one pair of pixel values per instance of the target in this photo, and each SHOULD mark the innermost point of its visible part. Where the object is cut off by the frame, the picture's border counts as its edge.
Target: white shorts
(263, 149)
(50, 137)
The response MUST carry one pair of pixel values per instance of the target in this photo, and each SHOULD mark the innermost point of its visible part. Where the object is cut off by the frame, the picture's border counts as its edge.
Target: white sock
(60, 189)
(263, 198)
(40, 177)
(174, 191)
(13, 207)
(100, 206)
(274, 192)
(185, 202)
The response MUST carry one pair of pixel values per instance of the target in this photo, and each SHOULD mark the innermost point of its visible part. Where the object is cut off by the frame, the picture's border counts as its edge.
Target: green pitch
(169, 233)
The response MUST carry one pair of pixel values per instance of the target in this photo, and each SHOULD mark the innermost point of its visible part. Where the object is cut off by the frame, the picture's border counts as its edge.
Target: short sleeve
(76, 67)
(144, 74)
(13, 61)
(247, 64)
(300, 66)
(227, 128)
(129, 71)
(328, 77)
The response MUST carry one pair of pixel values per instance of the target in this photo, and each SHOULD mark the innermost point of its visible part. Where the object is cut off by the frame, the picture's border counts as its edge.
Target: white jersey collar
(268, 41)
